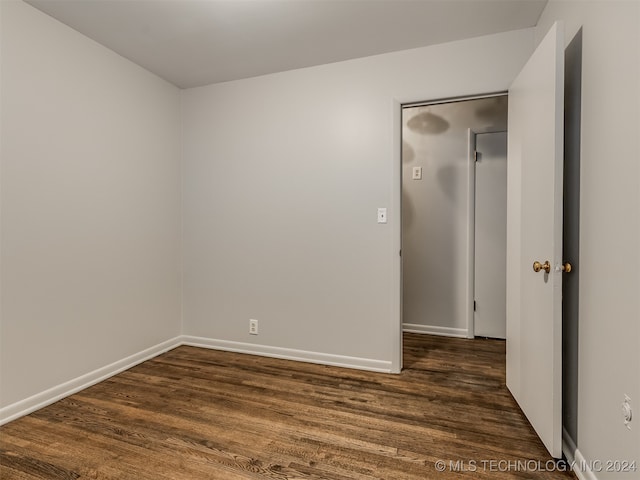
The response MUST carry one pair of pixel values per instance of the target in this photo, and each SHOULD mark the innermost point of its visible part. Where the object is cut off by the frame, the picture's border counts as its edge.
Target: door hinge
(474, 305)
(400, 253)
(475, 155)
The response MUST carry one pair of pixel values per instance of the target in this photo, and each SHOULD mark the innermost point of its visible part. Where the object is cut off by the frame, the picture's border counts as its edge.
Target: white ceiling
(197, 42)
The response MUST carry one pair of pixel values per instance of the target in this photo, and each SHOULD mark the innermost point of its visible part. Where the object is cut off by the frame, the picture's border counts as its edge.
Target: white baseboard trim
(435, 330)
(52, 395)
(290, 354)
(568, 446)
(581, 468)
(574, 457)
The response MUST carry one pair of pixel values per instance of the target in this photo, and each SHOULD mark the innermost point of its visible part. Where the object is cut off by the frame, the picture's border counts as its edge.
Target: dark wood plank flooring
(202, 414)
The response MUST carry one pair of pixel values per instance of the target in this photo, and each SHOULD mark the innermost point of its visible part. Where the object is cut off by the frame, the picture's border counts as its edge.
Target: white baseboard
(290, 354)
(568, 446)
(52, 395)
(581, 468)
(578, 463)
(435, 330)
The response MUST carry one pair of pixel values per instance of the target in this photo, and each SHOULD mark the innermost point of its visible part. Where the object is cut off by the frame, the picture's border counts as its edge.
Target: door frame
(395, 217)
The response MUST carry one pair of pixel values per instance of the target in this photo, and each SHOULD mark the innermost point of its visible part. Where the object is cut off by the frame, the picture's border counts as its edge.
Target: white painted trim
(471, 230)
(568, 446)
(290, 354)
(574, 458)
(435, 330)
(581, 467)
(53, 394)
(459, 98)
(396, 242)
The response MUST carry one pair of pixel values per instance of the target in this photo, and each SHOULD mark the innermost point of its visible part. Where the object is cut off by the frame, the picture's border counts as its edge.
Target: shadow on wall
(408, 210)
(408, 153)
(427, 123)
(493, 111)
(448, 178)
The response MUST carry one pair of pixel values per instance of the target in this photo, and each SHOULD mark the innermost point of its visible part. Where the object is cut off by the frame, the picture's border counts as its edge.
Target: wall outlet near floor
(253, 326)
(627, 413)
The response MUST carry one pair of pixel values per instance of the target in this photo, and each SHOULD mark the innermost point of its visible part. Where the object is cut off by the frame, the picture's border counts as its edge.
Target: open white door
(534, 233)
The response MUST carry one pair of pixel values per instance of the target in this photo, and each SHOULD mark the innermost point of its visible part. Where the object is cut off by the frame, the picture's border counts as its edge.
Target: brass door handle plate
(537, 266)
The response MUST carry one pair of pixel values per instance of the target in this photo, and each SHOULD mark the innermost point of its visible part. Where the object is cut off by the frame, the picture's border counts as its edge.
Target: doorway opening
(453, 234)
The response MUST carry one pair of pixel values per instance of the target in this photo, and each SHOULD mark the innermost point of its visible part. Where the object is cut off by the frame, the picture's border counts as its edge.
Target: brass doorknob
(537, 266)
(566, 267)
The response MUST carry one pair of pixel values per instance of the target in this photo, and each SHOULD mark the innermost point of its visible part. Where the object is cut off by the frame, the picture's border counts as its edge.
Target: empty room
(319, 239)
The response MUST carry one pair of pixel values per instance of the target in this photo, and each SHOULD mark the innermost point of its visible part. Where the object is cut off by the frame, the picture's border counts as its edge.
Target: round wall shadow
(428, 123)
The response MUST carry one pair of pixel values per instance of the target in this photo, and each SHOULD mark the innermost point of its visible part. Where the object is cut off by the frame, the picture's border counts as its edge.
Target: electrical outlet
(253, 327)
(627, 413)
(382, 215)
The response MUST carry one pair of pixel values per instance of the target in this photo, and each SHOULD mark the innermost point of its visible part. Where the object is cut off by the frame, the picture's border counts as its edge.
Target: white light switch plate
(382, 215)
(417, 173)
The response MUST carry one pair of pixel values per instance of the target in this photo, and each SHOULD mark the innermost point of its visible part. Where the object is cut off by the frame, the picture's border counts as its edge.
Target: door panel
(490, 235)
(534, 232)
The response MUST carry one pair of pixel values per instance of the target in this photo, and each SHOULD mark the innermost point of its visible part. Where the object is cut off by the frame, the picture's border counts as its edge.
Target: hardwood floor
(202, 414)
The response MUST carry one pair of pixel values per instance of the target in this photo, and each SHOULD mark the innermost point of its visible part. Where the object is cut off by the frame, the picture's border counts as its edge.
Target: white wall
(609, 330)
(282, 178)
(90, 205)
